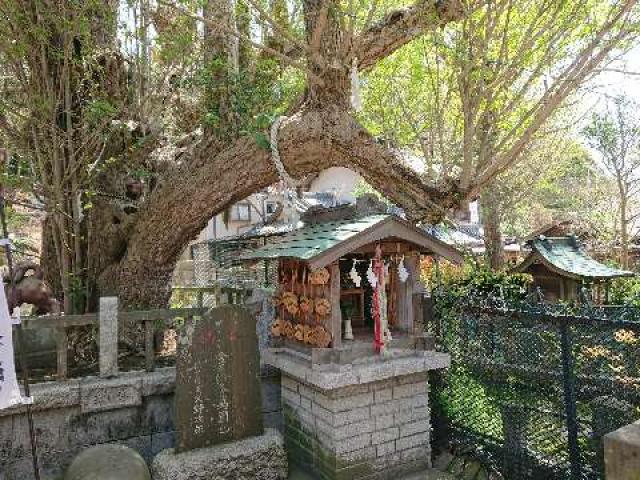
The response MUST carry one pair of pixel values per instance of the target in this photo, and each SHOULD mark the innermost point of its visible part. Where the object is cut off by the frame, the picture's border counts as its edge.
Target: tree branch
(584, 65)
(308, 142)
(399, 27)
(284, 58)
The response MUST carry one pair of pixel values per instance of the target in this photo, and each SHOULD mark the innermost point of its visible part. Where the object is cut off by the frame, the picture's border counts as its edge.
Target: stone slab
(104, 395)
(260, 458)
(335, 376)
(218, 397)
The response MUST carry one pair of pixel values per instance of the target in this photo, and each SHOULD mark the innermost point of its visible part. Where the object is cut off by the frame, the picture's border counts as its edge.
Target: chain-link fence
(221, 275)
(221, 262)
(533, 388)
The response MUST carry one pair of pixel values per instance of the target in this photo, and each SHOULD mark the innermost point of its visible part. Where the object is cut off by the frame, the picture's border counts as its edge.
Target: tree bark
(402, 26)
(490, 212)
(309, 141)
(624, 225)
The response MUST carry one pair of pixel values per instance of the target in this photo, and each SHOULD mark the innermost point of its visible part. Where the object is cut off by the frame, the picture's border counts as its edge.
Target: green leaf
(262, 140)
(264, 121)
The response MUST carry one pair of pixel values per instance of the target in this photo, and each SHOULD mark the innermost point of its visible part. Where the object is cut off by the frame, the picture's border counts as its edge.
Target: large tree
(324, 40)
(477, 97)
(615, 135)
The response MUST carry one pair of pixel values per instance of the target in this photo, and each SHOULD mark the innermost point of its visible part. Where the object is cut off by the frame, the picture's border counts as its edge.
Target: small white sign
(9, 391)
(15, 318)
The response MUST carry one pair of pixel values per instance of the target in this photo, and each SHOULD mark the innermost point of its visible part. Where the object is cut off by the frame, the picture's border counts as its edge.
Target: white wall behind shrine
(340, 180)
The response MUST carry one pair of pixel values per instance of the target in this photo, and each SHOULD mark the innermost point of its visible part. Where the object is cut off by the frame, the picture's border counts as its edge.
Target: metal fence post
(568, 383)
(108, 333)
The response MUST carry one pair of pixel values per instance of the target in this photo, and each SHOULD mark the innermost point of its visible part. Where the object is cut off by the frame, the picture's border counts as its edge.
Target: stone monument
(217, 386)
(219, 425)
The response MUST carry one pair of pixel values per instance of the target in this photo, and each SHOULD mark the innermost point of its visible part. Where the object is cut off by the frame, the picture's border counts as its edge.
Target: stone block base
(368, 422)
(261, 458)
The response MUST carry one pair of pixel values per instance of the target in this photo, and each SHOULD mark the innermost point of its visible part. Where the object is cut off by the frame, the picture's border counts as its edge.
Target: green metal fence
(533, 388)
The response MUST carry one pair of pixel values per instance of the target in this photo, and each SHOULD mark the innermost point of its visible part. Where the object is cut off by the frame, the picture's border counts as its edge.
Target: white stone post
(622, 453)
(108, 353)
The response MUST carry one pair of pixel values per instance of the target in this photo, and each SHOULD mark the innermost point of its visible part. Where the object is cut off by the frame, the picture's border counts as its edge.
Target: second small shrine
(561, 268)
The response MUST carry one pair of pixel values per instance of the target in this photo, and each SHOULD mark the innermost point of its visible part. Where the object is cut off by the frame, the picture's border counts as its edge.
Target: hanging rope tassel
(356, 99)
(288, 180)
(290, 183)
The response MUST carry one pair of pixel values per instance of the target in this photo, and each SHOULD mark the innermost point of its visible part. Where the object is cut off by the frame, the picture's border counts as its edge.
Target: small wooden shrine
(362, 268)
(560, 267)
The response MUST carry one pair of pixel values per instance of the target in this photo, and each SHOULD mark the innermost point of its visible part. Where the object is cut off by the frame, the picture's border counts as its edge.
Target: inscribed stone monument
(217, 387)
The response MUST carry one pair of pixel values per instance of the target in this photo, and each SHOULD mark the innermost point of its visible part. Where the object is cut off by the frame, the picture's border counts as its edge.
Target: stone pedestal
(365, 420)
(260, 458)
(622, 453)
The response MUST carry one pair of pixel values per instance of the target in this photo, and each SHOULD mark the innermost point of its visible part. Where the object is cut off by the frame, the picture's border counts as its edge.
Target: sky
(616, 83)
(613, 81)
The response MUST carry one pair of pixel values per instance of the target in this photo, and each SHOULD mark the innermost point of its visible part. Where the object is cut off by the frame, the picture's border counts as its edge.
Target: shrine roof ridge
(323, 243)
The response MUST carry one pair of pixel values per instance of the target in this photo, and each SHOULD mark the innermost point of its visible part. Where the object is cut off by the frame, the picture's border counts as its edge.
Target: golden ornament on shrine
(306, 305)
(290, 302)
(288, 329)
(323, 307)
(322, 337)
(319, 277)
(299, 332)
(308, 334)
(276, 327)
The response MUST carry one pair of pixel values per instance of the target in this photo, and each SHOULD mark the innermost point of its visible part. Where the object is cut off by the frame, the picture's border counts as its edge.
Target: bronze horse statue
(30, 288)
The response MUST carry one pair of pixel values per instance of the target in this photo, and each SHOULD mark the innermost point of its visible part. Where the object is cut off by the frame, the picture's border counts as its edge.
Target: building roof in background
(269, 230)
(259, 230)
(454, 236)
(566, 257)
(323, 243)
(559, 228)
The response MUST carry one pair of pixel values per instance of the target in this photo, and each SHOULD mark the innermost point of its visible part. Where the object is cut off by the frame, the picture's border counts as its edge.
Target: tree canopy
(167, 106)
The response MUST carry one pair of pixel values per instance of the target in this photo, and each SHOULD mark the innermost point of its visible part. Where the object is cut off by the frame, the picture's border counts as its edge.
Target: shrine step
(430, 475)
(426, 475)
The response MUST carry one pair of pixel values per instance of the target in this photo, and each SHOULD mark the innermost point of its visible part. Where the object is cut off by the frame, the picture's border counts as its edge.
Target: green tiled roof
(312, 240)
(567, 255)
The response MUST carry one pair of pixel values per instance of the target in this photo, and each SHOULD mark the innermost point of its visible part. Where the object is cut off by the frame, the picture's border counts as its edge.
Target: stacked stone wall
(135, 409)
(367, 431)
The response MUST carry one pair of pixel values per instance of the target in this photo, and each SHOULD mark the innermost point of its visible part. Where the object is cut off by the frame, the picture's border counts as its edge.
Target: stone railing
(108, 320)
(134, 408)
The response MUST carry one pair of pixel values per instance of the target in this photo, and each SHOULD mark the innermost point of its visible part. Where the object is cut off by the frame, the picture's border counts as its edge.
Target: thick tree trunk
(490, 213)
